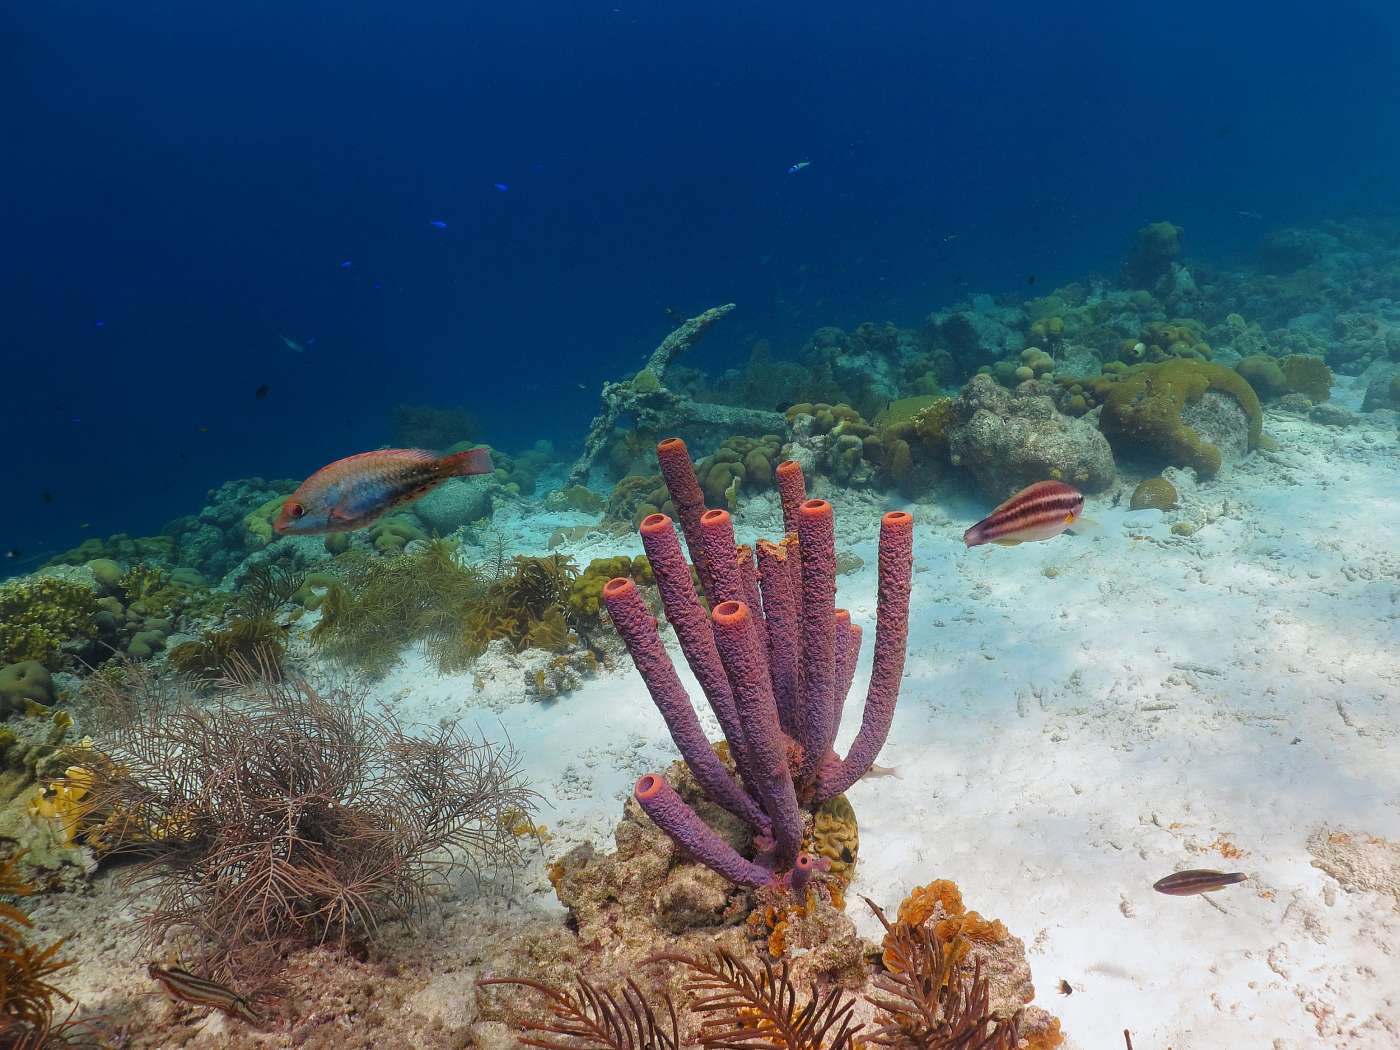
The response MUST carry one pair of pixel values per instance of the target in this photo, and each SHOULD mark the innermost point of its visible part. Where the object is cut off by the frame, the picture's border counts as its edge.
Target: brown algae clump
(1154, 494)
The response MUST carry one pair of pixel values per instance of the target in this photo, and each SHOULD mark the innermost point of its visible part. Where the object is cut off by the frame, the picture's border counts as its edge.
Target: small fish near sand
(1197, 880)
(187, 988)
(353, 492)
(1038, 512)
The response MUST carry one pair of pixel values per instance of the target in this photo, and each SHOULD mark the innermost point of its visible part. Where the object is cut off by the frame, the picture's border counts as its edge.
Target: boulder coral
(1154, 493)
(1009, 440)
(1143, 408)
(1307, 375)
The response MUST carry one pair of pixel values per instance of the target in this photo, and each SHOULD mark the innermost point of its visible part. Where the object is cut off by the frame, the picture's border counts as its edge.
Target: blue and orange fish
(1038, 512)
(352, 492)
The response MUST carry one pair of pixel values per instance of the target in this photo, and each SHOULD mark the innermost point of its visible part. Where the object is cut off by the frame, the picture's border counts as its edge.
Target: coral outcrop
(1008, 440)
(1150, 408)
(654, 408)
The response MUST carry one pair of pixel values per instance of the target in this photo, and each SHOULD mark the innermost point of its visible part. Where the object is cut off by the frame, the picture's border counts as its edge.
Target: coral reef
(375, 607)
(1307, 375)
(1008, 440)
(931, 993)
(911, 450)
(33, 750)
(1147, 407)
(776, 674)
(830, 440)
(432, 427)
(38, 616)
(279, 817)
(653, 407)
(739, 464)
(1149, 262)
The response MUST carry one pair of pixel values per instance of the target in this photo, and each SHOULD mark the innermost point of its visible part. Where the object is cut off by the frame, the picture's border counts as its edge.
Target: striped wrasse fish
(1038, 512)
(355, 491)
(180, 984)
(1197, 880)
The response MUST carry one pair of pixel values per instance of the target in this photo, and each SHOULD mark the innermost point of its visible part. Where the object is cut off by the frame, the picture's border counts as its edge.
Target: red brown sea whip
(774, 659)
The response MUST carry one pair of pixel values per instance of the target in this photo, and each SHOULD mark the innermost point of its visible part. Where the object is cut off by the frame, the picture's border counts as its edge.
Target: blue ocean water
(184, 185)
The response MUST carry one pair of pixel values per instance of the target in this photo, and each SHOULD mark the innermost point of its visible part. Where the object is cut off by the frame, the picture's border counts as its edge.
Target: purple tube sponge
(775, 660)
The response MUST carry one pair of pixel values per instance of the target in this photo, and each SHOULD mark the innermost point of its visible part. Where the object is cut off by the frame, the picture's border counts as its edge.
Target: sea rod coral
(775, 659)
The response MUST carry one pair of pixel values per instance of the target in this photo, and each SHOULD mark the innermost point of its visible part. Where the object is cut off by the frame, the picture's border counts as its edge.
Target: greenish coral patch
(1307, 375)
(1154, 493)
(38, 615)
(1144, 407)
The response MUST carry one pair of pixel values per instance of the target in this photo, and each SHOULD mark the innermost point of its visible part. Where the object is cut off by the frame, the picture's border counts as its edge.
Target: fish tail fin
(465, 464)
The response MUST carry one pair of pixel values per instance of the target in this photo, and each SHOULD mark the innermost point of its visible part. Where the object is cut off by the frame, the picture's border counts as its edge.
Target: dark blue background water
(180, 184)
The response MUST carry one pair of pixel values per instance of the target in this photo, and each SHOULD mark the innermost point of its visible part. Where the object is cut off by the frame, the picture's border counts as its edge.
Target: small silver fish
(875, 772)
(1197, 880)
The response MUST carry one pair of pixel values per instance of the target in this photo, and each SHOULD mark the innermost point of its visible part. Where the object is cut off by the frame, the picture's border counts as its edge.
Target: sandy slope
(1082, 716)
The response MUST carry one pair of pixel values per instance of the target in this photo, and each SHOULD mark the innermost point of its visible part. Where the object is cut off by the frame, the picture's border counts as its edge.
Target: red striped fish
(1038, 512)
(180, 984)
(352, 492)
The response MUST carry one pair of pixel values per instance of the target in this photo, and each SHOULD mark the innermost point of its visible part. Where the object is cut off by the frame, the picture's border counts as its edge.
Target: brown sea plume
(275, 815)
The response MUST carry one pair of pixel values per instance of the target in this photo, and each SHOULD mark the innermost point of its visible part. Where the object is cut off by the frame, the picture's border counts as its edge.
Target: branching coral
(26, 992)
(926, 1000)
(280, 817)
(226, 652)
(378, 606)
(38, 615)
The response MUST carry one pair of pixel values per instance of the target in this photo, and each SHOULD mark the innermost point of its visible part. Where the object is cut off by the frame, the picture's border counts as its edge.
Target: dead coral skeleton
(654, 408)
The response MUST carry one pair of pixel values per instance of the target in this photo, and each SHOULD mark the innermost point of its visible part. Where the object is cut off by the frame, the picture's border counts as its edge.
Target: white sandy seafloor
(1081, 717)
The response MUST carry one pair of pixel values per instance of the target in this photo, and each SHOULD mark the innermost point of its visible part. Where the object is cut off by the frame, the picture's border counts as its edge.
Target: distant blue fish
(501, 187)
(798, 167)
(345, 265)
(100, 324)
(437, 223)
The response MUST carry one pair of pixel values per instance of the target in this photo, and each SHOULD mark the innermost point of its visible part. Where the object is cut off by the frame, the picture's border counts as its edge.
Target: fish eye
(296, 510)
